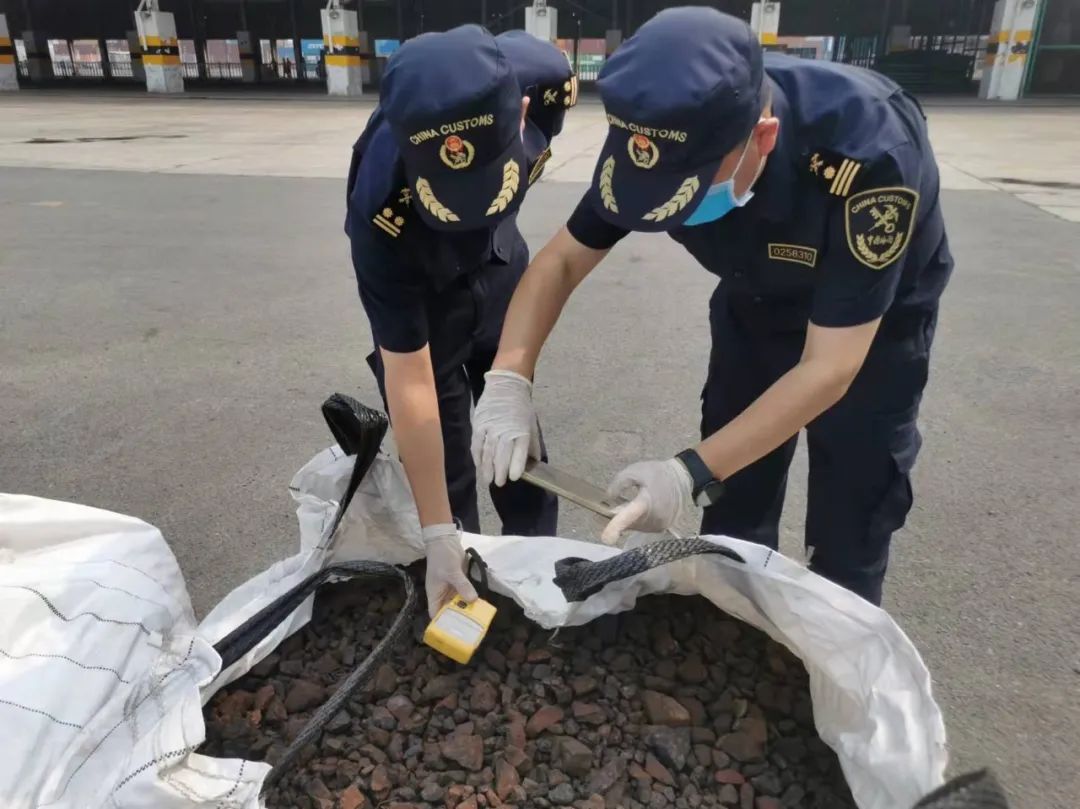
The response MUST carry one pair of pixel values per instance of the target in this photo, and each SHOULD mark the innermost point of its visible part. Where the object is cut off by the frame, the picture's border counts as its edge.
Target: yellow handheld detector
(458, 628)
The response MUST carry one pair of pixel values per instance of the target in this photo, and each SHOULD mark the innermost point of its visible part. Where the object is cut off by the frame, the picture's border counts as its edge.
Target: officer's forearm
(539, 299)
(793, 401)
(414, 411)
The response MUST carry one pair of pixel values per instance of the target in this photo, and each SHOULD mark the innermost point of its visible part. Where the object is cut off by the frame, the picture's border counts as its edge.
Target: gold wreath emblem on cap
(643, 152)
(457, 152)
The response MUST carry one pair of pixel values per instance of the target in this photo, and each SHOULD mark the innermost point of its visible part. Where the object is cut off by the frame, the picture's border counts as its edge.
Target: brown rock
(495, 659)
(755, 728)
(506, 779)
(234, 706)
(583, 685)
(304, 695)
(483, 698)
(698, 715)
(353, 798)
(515, 731)
(572, 756)
(764, 802)
(317, 789)
(465, 749)
(385, 681)
(516, 757)
(637, 773)
(468, 803)
(449, 703)
(263, 697)
(544, 718)
(380, 780)
(746, 797)
(442, 686)
(538, 656)
(401, 707)
(658, 771)
(664, 710)
(275, 712)
(517, 652)
(692, 671)
(741, 746)
(607, 776)
(587, 713)
(729, 777)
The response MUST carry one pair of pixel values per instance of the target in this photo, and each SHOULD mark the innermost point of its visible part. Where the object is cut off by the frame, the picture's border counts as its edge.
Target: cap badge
(643, 152)
(550, 97)
(456, 152)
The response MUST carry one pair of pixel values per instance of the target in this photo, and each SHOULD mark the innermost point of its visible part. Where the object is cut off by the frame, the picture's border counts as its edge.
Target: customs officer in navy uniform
(463, 127)
(810, 189)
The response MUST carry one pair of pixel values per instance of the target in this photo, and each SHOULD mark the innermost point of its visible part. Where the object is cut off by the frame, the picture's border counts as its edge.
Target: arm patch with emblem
(879, 223)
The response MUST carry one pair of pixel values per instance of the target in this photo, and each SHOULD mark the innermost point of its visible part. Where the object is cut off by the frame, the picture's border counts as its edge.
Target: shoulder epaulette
(563, 94)
(393, 214)
(833, 171)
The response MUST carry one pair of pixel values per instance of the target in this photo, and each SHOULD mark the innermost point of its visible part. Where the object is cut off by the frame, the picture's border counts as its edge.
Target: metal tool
(569, 487)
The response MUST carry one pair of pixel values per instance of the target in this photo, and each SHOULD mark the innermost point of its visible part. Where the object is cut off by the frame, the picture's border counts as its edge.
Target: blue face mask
(720, 199)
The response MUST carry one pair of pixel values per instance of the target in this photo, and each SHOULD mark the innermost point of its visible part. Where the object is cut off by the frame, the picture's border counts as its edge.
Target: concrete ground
(176, 300)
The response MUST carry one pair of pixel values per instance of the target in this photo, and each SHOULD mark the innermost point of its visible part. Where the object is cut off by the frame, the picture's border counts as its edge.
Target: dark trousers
(861, 450)
(464, 323)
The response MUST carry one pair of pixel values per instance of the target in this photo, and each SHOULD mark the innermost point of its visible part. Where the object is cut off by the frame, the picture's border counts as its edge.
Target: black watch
(707, 488)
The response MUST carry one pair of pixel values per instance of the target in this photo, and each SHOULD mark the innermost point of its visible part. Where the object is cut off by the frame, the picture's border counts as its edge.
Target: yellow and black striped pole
(160, 51)
(344, 54)
(9, 71)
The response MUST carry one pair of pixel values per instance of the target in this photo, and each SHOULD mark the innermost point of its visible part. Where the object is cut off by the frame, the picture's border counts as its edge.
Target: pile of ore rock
(671, 706)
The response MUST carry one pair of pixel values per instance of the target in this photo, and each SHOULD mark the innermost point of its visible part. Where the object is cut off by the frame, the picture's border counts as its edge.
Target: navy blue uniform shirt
(399, 261)
(845, 225)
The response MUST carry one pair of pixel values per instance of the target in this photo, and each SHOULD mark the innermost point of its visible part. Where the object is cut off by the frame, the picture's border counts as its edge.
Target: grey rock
(562, 795)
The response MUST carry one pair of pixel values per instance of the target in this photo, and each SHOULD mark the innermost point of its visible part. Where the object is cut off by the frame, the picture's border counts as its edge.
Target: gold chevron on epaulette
(835, 172)
(390, 218)
(538, 167)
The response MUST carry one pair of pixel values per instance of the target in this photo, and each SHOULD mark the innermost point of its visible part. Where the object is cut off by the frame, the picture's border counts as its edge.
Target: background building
(930, 46)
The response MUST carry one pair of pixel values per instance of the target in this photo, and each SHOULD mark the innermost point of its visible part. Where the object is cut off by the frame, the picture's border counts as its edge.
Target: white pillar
(1021, 32)
(765, 22)
(899, 39)
(138, 72)
(995, 52)
(9, 71)
(612, 40)
(38, 60)
(341, 38)
(542, 21)
(161, 51)
(249, 71)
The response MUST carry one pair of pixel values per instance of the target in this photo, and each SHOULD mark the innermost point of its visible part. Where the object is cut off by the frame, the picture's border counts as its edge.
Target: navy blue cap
(544, 75)
(680, 94)
(454, 106)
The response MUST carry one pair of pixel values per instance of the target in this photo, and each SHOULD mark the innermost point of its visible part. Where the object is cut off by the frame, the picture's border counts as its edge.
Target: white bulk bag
(871, 692)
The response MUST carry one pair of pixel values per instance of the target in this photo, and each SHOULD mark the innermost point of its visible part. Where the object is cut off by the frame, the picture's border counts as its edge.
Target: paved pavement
(169, 334)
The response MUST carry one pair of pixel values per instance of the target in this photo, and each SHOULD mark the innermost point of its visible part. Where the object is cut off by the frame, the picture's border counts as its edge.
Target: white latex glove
(661, 491)
(505, 430)
(445, 566)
